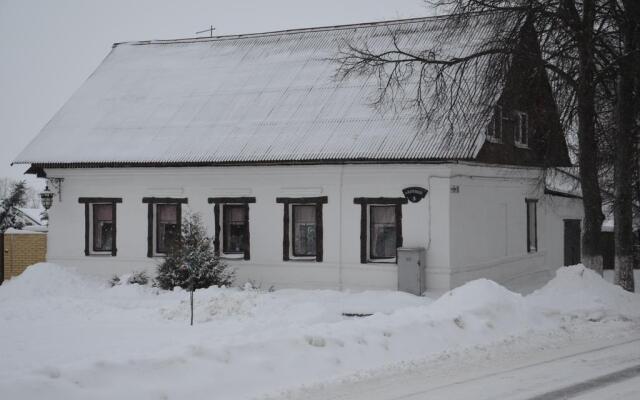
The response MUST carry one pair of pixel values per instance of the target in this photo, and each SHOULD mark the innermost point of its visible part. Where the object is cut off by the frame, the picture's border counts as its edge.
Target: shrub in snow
(191, 262)
(114, 281)
(138, 277)
(251, 285)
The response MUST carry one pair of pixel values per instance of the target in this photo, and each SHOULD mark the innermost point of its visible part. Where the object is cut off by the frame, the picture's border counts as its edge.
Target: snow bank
(70, 337)
(577, 290)
(46, 279)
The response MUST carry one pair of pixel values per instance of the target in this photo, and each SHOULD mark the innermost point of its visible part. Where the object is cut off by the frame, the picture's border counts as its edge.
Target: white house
(299, 179)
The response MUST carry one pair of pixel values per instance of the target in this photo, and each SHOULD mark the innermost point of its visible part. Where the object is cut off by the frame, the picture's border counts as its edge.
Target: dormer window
(521, 129)
(494, 130)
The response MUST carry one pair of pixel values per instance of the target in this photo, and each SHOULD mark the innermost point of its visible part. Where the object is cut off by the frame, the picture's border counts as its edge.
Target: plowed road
(604, 368)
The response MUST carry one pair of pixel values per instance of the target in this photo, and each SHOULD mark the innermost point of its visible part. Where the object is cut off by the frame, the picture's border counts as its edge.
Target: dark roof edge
(304, 30)
(38, 167)
(552, 192)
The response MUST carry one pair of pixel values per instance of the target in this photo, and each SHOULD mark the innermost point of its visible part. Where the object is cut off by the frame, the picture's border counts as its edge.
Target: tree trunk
(623, 174)
(588, 154)
(191, 301)
(622, 207)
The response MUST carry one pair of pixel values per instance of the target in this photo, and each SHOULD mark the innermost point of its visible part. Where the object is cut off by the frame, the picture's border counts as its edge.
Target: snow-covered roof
(269, 97)
(26, 231)
(34, 214)
(563, 181)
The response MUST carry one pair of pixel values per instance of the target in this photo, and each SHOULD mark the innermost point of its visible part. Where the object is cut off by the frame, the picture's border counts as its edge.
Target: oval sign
(414, 194)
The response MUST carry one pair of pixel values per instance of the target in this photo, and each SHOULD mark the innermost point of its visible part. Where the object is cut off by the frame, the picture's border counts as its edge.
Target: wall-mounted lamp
(47, 198)
(47, 195)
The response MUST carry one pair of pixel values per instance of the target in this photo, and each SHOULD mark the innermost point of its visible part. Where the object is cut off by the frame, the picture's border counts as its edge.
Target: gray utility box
(411, 274)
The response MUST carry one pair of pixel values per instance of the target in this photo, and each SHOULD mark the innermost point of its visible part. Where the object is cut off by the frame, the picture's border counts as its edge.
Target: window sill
(105, 254)
(232, 256)
(521, 146)
(303, 259)
(383, 261)
(493, 140)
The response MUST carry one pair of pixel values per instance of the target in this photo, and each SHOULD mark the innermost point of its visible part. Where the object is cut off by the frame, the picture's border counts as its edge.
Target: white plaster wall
(341, 267)
(479, 232)
(488, 226)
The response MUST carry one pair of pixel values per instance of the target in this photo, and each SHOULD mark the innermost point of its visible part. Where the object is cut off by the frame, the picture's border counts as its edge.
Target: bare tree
(569, 35)
(628, 17)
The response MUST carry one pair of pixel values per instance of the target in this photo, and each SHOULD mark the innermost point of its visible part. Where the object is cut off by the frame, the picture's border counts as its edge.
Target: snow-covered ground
(65, 336)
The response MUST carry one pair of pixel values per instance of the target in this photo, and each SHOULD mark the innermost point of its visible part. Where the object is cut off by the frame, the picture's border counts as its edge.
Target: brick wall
(21, 250)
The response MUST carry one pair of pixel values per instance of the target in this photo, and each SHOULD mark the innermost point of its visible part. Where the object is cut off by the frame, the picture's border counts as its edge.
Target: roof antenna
(210, 30)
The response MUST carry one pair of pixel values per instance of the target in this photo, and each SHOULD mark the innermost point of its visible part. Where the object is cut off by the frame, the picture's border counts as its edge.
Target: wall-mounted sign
(414, 194)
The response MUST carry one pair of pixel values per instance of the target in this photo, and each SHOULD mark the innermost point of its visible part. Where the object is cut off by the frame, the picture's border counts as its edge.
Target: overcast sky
(48, 48)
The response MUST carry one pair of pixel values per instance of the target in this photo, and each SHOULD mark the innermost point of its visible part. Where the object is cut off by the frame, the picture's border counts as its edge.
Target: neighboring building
(299, 179)
(33, 217)
(20, 249)
(607, 240)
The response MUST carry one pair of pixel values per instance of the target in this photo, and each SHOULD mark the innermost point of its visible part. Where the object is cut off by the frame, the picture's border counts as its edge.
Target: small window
(231, 219)
(164, 222)
(382, 237)
(521, 129)
(166, 226)
(494, 131)
(234, 228)
(102, 227)
(532, 226)
(380, 228)
(304, 230)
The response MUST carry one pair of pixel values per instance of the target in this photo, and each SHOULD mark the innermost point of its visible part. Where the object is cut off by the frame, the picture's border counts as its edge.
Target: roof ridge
(304, 30)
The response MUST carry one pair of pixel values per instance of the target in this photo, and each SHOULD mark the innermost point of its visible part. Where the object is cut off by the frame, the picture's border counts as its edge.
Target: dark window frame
(287, 202)
(240, 201)
(151, 210)
(88, 224)
(528, 203)
(365, 203)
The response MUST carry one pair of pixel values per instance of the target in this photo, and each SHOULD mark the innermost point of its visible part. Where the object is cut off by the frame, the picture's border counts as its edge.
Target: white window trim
(518, 142)
(492, 136)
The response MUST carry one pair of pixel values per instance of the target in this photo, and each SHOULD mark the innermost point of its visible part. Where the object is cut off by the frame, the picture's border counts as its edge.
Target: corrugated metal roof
(258, 98)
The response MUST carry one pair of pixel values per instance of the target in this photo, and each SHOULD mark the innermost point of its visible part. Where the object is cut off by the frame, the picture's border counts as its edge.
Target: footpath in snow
(65, 336)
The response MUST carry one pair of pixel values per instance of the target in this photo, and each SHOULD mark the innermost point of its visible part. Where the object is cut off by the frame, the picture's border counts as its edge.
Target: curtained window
(234, 229)
(102, 227)
(304, 230)
(382, 235)
(166, 226)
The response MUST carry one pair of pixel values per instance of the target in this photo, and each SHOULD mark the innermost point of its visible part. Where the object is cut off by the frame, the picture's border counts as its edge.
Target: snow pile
(69, 337)
(579, 291)
(45, 279)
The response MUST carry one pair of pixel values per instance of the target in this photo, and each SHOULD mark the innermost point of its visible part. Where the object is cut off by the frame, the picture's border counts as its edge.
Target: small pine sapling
(191, 262)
